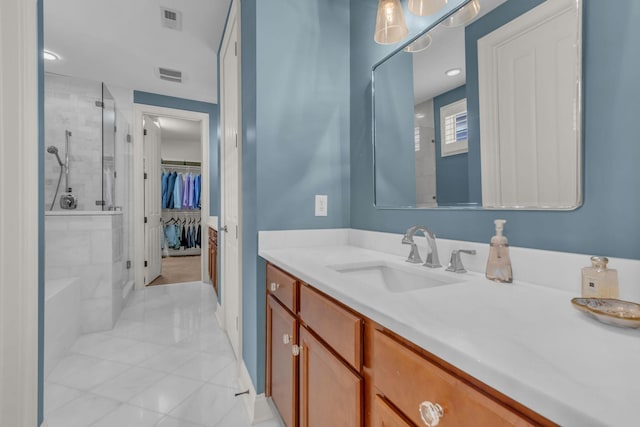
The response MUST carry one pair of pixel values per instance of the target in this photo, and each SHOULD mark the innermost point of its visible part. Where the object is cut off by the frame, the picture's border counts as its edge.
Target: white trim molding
(257, 405)
(139, 111)
(18, 213)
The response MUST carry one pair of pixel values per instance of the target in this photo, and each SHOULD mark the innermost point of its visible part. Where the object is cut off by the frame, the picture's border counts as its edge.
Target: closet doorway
(181, 187)
(172, 203)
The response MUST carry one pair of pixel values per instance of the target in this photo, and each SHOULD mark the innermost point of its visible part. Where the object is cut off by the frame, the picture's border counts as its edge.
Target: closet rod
(180, 163)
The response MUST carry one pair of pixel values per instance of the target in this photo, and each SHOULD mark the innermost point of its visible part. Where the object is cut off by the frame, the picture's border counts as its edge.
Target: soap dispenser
(499, 263)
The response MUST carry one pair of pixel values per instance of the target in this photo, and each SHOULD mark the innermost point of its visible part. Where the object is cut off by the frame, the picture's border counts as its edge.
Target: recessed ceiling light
(50, 56)
(420, 115)
(453, 72)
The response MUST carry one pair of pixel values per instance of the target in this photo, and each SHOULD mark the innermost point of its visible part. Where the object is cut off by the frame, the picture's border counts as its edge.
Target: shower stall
(87, 183)
(81, 128)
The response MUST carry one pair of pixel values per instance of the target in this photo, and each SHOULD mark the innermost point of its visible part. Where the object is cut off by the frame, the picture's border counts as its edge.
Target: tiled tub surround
(62, 319)
(88, 245)
(523, 339)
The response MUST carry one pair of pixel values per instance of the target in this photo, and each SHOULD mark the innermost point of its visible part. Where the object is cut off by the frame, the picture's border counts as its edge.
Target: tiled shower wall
(70, 104)
(88, 246)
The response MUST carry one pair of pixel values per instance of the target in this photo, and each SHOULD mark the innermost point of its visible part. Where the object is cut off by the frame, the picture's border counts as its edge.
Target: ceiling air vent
(170, 75)
(171, 18)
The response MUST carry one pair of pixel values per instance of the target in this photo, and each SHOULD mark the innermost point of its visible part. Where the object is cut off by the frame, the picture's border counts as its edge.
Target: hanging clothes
(196, 192)
(185, 191)
(183, 237)
(192, 192)
(164, 183)
(170, 186)
(177, 192)
(199, 236)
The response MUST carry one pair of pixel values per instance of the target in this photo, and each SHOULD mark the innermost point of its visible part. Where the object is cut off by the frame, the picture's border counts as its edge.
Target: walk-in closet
(181, 191)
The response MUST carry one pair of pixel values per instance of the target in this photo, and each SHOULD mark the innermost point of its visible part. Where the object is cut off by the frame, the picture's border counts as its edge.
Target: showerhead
(52, 149)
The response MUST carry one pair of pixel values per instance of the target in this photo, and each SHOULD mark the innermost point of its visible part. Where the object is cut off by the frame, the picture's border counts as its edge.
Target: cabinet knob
(431, 413)
(296, 350)
(273, 286)
(286, 339)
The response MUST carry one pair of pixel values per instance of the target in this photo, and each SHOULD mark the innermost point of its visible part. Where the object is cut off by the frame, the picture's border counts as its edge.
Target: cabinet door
(282, 367)
(330, 392)
(385, 416)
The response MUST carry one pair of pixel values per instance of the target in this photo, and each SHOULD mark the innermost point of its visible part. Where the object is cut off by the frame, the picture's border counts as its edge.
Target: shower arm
(67, 134)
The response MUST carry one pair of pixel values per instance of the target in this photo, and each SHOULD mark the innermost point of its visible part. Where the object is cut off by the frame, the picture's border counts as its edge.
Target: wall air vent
(171, 18)
(170, 75)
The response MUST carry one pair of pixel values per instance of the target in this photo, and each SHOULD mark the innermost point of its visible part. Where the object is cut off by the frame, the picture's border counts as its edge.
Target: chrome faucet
(414, 256)
(455, 263)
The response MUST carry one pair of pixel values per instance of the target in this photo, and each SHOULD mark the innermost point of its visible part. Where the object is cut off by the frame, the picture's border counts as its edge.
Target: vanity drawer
(283, 287)
(338, 327)
(407, 379)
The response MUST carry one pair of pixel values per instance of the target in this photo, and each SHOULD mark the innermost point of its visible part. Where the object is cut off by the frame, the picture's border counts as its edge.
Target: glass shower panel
(108, 150)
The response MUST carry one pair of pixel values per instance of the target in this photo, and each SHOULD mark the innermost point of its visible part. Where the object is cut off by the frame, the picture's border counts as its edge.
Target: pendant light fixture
(390, 24)
(419, 44)
(425, 7)
(464, 15)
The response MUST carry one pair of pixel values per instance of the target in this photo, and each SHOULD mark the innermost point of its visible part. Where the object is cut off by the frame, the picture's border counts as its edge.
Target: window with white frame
(454, 130)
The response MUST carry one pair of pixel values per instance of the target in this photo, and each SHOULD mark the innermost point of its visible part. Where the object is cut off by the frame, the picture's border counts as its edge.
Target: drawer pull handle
(286, 339)
(273, 286)
(431, 413)
(296, 350)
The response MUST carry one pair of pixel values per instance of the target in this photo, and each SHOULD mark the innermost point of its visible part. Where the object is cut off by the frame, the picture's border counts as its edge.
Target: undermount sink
(395, 278)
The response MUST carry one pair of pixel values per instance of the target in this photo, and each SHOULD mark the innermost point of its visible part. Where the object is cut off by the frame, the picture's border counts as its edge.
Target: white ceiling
(179, 129)
(122, 42)
(445, 52)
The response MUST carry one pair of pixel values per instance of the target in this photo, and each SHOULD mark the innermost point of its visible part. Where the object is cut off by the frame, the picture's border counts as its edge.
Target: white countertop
(524, 340)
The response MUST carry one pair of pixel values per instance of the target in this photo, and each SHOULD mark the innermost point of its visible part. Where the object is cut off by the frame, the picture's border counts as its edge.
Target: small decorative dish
(610, 311)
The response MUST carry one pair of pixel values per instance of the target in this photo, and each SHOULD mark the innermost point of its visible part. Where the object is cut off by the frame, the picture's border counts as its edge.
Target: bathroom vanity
(352, 341)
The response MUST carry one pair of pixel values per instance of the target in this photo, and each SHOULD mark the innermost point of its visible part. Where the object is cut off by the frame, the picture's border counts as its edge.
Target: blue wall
(608, 222)
(147, 98)
(452, 172)
(396, 175)
(295, 135)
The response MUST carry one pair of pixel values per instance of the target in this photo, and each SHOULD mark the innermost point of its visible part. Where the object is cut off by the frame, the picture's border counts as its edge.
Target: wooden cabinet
(384, 415)
(282, 372)
(339, 328)
(213, 258)
(310, 381)
(413, 384)
(330, 393)
(342, 369)
(283, 286)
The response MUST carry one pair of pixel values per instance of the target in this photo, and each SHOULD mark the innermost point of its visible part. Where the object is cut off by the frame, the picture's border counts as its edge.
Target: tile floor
(166, 364)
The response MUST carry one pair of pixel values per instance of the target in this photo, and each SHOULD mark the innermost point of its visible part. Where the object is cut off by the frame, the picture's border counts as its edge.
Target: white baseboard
(220, 316)
(127, 289)
(257, 405)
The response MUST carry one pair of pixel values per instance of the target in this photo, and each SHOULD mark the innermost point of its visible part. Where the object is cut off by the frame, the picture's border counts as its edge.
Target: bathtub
(89, 245)
(61, 319)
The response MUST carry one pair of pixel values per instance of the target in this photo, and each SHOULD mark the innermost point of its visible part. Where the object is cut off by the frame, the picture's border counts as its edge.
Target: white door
(529, 121)
(230, 186)
(152, 201)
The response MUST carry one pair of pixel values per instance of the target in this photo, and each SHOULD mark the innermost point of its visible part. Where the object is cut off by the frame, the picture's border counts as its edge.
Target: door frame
(139, 111)
(22, 214)
(233, 19)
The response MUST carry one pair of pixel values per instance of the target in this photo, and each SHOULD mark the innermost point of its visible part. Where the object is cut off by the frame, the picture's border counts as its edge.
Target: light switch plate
(321, 204)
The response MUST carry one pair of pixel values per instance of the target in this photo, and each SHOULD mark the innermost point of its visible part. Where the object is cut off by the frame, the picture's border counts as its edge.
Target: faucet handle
(414, 255)
(455, 263)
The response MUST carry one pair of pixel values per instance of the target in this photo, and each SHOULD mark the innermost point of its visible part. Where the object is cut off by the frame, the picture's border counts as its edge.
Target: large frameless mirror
(483, 110)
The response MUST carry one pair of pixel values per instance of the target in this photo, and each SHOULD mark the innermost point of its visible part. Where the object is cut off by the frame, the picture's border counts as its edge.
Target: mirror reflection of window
(455, 132)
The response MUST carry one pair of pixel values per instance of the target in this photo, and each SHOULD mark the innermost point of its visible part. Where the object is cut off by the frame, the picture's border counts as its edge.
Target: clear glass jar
(598, 281)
